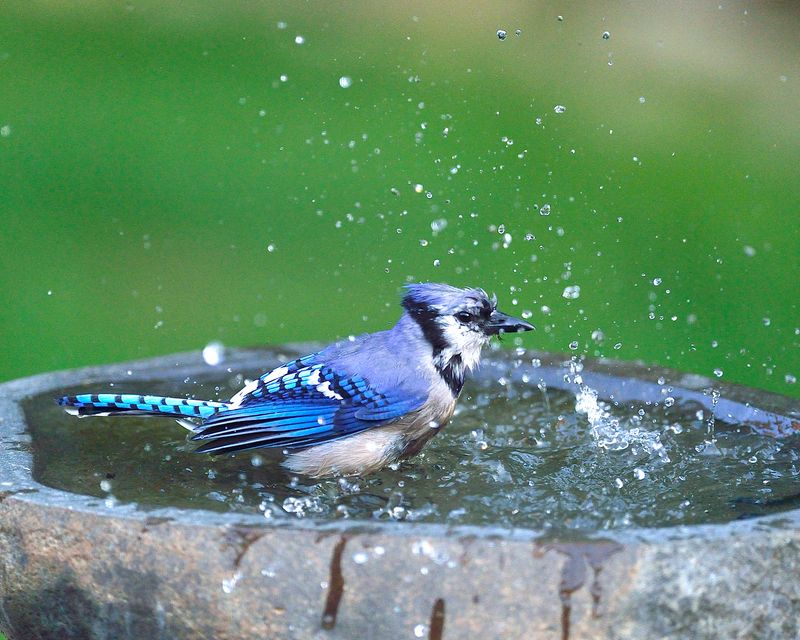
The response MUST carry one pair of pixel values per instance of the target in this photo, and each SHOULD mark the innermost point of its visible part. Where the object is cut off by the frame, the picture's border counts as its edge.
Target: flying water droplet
(572, 292)
(345, 82)
(501, 34)
(213, 353)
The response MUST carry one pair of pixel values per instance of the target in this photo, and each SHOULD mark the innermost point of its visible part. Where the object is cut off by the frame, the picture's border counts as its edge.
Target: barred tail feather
(106, 404)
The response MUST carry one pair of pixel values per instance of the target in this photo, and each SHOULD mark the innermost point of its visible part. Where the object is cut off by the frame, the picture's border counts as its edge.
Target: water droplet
(619, 483)
(518, 32)
(213, 353)
(790, 379)
(299, 40)
(501, 34)
(105, 485)
(749, 251)
(638, 473)
(642, 100)
(271, 248)
(360, 557)
(420, 629)
(560, 108)
(229, 585)
(598, 336)
(5, 130)
(669, 401)
(572, 292)
(573, 345)
(766, 321)
(606, 35)
(544, 210)
(718, 372)
(345, 82)
(657, 281)
(617, 346)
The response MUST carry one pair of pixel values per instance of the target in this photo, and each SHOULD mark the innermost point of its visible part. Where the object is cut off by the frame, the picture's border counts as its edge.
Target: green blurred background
(177, 173)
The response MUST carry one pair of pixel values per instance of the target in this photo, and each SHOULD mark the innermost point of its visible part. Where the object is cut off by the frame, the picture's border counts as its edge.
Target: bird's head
(458, 322)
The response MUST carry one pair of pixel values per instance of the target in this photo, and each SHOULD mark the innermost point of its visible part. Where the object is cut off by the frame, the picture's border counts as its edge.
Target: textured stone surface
(72, 568)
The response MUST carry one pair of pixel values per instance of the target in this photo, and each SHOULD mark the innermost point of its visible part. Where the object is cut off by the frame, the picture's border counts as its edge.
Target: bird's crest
(439, 299)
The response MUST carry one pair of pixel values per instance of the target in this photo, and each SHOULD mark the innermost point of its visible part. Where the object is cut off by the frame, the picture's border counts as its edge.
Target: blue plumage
(352, 407)
(295, 406)
(87, 404)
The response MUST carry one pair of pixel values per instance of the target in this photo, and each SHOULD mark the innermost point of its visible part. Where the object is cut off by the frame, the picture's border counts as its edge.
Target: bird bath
(669, 510)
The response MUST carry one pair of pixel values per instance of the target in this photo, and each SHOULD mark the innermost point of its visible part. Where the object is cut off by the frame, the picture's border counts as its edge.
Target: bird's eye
(463, 316)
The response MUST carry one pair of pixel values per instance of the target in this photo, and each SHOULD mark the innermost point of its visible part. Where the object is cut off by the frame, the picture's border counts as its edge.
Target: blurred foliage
(176, 173)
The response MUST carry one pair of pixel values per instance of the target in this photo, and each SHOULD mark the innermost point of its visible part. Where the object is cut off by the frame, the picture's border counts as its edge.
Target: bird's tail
(108, 404)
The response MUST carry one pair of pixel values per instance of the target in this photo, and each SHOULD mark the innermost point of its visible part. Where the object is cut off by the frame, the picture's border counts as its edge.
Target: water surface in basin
(515, 454)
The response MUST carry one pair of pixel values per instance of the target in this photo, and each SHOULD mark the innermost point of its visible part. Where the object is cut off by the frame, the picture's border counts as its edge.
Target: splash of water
(608, 432)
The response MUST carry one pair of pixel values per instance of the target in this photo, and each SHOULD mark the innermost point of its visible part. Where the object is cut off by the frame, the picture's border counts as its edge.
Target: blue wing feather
(301, 404)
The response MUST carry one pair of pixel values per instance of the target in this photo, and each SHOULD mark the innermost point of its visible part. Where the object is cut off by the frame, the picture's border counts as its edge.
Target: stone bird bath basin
(74, 565)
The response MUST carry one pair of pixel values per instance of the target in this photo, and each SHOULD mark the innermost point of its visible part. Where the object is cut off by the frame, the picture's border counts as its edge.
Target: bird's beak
(499, 322)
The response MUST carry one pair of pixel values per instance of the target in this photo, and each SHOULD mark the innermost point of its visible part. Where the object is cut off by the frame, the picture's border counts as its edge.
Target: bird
(353, 407)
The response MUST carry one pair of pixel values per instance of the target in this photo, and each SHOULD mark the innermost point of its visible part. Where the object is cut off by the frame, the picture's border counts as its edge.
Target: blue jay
(353, 407)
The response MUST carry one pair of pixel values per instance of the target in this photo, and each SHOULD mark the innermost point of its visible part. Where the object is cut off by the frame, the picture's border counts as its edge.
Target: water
(516, 454)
